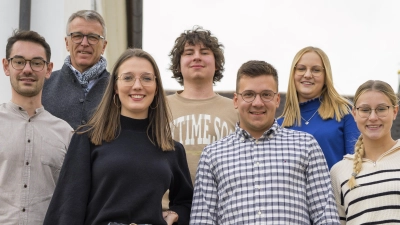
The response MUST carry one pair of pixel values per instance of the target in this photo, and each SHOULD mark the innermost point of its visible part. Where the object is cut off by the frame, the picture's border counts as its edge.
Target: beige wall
(115, 17)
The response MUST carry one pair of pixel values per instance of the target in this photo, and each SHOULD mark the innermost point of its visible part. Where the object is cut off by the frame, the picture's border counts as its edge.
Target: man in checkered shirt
(262, 173)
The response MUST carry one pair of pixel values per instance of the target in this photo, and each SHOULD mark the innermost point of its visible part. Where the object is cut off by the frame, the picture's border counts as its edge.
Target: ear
(104, 46)
(66, 44)
(49, 70)
(395, 111)
(6, 67)
(116, 89)
(278, 100)
(354, 113)
(235, 100)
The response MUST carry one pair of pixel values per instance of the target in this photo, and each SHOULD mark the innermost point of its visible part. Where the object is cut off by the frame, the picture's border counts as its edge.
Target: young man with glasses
(33, 142)
(262, 173)
(73, 92)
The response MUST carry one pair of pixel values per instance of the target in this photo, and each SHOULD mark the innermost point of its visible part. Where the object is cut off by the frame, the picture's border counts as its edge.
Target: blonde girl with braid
(366, 185)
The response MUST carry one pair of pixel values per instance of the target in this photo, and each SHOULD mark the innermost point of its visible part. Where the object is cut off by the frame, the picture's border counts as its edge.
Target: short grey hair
(88, 15)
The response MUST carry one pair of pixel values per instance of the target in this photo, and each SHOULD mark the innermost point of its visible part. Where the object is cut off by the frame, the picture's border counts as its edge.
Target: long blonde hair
(359, 151)
(333, 105)
(105, 123)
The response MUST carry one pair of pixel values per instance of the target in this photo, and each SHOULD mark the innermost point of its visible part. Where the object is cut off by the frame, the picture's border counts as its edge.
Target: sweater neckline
(128, 123)
(310, 105)
(311, 100)
(191, 101)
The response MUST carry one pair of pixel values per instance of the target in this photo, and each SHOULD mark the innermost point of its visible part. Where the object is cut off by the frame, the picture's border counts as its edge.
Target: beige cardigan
(377, 197)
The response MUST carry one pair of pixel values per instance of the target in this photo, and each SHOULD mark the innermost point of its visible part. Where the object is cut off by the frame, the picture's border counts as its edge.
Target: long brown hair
(333, 105)
(105, 123)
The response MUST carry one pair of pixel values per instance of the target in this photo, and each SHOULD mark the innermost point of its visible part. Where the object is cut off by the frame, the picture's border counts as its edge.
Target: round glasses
(316, 71)
(37, 64)
(381, 111)
(250, 96)
(77, 38)
(128, 79)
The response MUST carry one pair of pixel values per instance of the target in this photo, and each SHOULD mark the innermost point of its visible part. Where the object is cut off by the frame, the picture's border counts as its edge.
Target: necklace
(308, 121)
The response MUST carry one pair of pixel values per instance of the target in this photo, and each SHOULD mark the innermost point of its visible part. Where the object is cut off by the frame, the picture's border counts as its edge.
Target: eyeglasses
(316, 71)
(77, 38)
(381, 111)
(249, 96)
(128, 79)
(18, 63)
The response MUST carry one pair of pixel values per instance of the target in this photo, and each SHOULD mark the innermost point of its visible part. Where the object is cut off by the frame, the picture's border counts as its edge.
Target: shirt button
(259, 212)
(25, 186)
(29, 140)
(81, 100)
(83, 122)
(27, 163)
(23, 209)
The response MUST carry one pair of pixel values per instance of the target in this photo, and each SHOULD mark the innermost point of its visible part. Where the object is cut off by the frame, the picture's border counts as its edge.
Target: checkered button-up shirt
(280, 178)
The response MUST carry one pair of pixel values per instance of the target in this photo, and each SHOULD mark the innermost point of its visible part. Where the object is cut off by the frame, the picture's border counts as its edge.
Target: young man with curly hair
(200, 115)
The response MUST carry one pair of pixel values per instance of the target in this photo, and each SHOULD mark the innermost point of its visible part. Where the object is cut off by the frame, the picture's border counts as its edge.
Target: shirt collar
(18, 109)
(243, 135)
(76, 72)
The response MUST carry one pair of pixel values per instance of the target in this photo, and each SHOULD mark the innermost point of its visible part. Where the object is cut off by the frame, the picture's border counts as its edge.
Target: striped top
(376, 200)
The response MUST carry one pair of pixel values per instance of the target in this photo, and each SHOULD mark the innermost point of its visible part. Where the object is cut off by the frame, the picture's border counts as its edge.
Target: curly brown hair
(192, 37)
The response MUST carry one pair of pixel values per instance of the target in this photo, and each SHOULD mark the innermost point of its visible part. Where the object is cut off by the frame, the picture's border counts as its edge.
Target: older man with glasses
(33, 142)
(73, 92)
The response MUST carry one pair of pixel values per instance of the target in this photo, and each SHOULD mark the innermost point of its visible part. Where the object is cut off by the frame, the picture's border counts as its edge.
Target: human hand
(170, 217)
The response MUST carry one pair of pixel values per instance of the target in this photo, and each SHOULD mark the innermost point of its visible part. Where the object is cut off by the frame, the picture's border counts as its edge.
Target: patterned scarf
(91, 74)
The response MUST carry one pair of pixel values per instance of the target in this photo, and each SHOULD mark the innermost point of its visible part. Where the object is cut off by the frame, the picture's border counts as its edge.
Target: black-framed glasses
(316, 71)
(77, 37)
(37, 64)
(249, 96)
(129, 79)
(381, 111)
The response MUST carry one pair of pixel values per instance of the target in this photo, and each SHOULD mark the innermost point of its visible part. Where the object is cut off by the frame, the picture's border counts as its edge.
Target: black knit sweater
(120, 181)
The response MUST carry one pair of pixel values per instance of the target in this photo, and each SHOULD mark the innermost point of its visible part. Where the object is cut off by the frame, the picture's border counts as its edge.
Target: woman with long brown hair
(120, 164)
